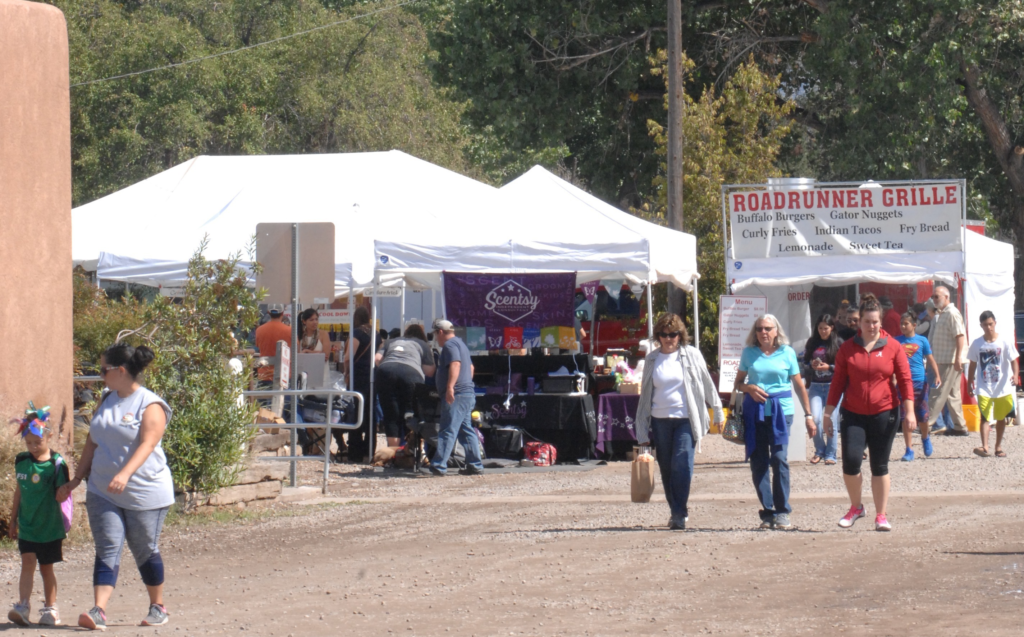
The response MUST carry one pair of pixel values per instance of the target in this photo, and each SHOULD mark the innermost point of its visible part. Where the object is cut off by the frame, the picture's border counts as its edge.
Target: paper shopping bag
(642, 483)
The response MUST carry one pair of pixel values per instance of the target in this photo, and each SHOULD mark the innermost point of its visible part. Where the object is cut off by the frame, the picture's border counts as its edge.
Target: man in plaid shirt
(947, 341)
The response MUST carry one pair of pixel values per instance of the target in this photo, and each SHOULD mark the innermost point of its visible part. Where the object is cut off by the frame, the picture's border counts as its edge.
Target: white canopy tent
(588, 236)
(673, 254)
(985, 267)
(147, 232)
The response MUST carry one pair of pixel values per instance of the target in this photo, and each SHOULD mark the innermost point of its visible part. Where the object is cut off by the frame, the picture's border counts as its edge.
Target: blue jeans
(942, 422)
(673, 440)
(824, 445)
(111, 526)
(457, 423)
(774, 493)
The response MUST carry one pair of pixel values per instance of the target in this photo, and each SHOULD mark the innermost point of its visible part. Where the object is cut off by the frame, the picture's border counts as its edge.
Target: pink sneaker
(854, 514)
(881, 524)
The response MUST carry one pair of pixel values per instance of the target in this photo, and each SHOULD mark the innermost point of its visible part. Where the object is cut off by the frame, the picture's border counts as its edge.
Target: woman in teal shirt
(768, 374)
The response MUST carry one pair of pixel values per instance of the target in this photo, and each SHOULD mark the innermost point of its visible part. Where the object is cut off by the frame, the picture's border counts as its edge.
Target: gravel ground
(568, 554)
(719, 470)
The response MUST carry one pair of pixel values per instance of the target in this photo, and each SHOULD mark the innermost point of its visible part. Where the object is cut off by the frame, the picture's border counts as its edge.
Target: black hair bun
(142, 357)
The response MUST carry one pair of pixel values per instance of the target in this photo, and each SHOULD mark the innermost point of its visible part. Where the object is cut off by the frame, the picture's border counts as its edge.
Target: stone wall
(35, 212)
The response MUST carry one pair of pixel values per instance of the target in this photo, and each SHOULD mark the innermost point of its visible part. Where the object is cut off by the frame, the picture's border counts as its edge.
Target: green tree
(358, 86)
(924, 89)
(194, 339)
(573, 79)
(730, 136)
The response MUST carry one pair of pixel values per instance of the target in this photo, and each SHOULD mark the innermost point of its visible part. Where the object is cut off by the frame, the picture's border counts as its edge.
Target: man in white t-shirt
(993, 379)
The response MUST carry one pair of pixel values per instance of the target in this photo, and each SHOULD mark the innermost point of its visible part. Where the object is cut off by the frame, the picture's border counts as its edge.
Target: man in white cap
(454, 378)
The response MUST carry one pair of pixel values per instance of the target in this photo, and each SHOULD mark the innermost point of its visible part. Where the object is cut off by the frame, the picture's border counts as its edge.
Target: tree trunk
(1009, 156)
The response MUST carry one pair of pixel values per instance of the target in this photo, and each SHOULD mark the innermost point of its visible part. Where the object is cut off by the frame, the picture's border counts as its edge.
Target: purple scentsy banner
(510, 300)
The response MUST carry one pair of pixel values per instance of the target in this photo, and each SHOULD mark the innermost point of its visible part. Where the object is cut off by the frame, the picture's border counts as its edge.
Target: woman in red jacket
(866, 366)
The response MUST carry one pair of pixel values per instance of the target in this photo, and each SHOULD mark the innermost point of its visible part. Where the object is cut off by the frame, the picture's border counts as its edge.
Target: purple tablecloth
(615, 414)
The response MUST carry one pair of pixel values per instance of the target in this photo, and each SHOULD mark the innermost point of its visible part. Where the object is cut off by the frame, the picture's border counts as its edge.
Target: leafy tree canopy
(359, 86)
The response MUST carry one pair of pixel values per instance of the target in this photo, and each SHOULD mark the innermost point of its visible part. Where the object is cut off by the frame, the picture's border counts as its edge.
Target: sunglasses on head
(668, 334)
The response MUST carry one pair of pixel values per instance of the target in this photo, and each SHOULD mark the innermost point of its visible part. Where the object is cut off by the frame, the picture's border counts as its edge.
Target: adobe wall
(35, 212)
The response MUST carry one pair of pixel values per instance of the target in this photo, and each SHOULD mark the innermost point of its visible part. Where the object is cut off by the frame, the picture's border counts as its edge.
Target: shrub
(193, 340)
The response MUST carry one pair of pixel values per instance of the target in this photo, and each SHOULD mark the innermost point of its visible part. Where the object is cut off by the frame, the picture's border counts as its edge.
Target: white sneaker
(49, 616)
(19, 614)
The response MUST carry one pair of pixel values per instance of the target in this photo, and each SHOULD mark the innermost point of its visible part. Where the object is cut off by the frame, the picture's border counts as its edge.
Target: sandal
(981, 451)
(1000, 453)
(816, 459)
(830, 462)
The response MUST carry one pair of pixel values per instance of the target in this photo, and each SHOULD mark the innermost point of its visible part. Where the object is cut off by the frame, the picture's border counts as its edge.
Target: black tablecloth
(567, 422)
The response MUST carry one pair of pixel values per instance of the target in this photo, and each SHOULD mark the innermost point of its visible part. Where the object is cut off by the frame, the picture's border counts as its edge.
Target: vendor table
(565, 420)
(615, 416)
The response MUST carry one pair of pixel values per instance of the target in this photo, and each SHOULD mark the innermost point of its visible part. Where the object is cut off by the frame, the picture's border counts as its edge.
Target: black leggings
(875, 433)
(396, 388)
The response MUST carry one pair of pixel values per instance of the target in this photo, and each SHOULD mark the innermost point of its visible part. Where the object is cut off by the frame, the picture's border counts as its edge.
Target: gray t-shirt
(407, 351)
(455, 350)
(115, 432)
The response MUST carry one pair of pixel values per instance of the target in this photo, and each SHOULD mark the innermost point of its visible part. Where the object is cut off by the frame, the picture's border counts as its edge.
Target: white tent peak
(673, 254)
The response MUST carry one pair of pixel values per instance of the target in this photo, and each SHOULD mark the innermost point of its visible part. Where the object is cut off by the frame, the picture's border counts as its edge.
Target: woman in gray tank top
(129, 483)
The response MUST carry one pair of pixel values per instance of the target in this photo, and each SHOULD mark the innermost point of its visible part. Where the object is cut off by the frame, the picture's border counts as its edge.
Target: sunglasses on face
(668, 334)
(104, 369)
(763, 329)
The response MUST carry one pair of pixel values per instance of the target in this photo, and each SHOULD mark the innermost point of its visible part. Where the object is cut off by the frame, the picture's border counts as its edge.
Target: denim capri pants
(111, 527)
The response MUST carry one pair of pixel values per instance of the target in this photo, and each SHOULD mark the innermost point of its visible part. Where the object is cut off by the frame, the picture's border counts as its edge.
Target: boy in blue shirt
(919, 353)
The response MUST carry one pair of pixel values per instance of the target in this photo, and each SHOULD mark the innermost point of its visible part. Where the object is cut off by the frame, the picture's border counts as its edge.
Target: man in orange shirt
(267, 336)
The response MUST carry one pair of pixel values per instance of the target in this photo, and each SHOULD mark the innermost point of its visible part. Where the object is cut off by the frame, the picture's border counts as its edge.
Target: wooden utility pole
(676, 297)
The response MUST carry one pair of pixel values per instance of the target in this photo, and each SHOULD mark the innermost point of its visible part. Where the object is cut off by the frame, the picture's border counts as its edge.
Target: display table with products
(565, 420)
(616, 414)
(487, 369)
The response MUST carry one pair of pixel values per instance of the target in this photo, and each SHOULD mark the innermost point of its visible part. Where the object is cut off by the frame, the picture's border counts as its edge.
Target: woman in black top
(359, 439)
(818, 364)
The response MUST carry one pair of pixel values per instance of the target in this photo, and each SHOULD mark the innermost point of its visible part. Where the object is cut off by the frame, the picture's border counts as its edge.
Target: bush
(10, 446)
(98, 320)
(193, 340)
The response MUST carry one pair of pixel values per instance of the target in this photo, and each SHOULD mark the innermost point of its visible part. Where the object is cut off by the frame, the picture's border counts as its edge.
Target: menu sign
(736, 316)
(839, 221)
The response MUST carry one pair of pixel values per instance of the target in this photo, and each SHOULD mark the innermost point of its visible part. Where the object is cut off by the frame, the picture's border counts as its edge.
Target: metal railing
(295, 426)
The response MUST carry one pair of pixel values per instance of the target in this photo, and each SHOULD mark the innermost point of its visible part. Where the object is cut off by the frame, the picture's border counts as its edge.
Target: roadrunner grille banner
(874, 219)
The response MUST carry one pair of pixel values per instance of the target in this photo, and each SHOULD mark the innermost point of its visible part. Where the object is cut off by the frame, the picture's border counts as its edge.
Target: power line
(251, 46)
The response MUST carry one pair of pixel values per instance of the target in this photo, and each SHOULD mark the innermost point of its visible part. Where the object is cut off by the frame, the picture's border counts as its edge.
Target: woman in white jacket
(675, 392)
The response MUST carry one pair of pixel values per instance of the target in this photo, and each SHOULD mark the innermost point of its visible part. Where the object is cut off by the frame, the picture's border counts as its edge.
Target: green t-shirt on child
(39, 516)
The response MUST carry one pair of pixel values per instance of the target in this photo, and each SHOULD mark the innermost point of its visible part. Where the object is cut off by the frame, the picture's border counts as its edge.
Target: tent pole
(650, 312)
(351, 350)
(401, 316)
(373, 356)
(433, 308)
(293, 381)
(696, 325)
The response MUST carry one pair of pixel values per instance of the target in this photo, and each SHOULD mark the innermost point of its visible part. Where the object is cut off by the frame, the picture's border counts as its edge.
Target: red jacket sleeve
(902, 372)
(840, 376)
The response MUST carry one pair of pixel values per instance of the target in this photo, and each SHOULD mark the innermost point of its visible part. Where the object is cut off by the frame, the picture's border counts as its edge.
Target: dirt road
(567, 554)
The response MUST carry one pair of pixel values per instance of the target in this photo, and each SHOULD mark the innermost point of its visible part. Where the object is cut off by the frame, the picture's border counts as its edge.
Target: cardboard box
(549, 337)
(513, 338)
(631, 389)
(566, 338)
(476, 338)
